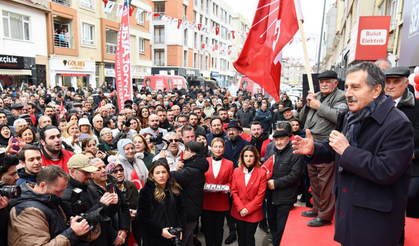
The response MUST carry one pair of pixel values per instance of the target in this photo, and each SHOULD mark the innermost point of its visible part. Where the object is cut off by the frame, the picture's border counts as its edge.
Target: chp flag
(274, 25)
(123, 60)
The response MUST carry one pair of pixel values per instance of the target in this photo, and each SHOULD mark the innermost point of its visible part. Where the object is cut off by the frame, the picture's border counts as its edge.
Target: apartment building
(344, 16)
(82, 42)
(23, 49)
(184, 50)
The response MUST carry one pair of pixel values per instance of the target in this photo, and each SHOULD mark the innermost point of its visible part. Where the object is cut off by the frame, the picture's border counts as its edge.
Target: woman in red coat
(248, 191)
(216, 204)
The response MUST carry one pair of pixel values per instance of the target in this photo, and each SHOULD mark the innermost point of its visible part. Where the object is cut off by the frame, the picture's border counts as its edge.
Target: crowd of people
(170, 165)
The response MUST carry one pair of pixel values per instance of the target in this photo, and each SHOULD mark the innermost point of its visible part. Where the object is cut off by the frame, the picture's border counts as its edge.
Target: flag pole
(308, 70)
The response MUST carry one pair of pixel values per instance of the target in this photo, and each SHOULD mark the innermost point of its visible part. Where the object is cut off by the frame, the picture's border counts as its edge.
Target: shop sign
(7, 61)
(109, 72)
(409, 48)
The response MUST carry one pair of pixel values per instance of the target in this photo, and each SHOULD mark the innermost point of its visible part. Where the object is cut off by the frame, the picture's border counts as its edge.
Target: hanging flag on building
(119, 10)
(109, 7)
(138, 15)
(274, 25)
(123, 60)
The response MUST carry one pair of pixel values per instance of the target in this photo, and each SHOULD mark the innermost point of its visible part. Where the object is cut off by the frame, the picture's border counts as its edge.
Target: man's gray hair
(97, 117)
(44, 116)
(384, 60)
(105, 129)
(18, 121)
(375, 76)
(94, 160)
(169, 134)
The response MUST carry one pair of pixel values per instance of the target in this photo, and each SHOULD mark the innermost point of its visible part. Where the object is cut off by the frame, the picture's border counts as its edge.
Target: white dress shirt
(216, 165)
(247, 175)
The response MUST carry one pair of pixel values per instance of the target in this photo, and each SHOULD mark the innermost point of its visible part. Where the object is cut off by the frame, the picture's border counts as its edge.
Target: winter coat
(286, 173)
(37, 219)
(192, 180)
(245, 118)
(323, 120)
(153, 216)
(234, 156)
(372, 180)
(24, 176)
(265, 117)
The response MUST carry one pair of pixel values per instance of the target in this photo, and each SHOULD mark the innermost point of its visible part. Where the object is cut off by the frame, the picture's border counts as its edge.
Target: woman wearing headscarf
(5, 135)
(134, 167)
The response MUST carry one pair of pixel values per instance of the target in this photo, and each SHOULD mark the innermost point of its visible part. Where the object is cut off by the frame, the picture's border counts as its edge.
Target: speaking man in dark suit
(396, 86)
(372, 162)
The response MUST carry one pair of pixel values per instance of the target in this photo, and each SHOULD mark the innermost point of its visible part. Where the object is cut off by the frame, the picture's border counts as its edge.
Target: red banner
(123, 60)
(274, 25)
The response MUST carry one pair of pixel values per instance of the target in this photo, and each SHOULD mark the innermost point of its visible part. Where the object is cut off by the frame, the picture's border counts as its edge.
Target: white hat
(84, 121)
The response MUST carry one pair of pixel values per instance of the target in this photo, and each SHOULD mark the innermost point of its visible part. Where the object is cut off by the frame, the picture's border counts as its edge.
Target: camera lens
(10, 191)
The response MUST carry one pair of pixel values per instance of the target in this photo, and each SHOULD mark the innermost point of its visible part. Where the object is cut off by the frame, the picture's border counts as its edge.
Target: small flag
(232, 33)
(131, 10)
(138, 15)
(149, 14)
(179, 22)
(119, 10)
(217, 30)
(109, 7)
(199, 27)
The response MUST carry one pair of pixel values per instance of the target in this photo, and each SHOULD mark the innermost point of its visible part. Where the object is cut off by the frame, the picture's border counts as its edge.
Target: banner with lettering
(123, 60)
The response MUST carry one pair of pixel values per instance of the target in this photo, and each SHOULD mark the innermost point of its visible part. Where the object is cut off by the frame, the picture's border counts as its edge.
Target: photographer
(8, 176)
(37, 219)
(80, 172)
(161, 207)
(123, 129)
(173, 151)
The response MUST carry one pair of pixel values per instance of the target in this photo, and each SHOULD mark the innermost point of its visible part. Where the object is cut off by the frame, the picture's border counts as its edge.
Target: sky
(312, 12)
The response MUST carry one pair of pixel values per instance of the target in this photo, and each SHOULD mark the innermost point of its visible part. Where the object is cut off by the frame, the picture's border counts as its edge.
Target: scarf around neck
(355, 119)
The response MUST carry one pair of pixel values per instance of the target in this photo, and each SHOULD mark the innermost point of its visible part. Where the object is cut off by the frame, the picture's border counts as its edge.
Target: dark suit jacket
(228, 152)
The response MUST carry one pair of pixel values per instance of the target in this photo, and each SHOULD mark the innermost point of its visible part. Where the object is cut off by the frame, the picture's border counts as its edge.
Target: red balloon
(417, 87)
(416, 78)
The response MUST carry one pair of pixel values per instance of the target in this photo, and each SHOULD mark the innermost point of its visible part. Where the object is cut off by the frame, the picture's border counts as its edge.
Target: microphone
(342, 109)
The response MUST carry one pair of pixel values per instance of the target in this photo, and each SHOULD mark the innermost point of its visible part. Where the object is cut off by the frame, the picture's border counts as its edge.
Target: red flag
(123, 60)
(131, 9)
(203, 46)
(179, 22)
(199, 27)
(274, 25)
(105, 1)
(217, 30)
(232, 33)
(136, 180)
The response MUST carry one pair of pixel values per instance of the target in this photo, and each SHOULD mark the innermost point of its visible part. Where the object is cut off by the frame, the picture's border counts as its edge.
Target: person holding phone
(164, 195)
(71, 136)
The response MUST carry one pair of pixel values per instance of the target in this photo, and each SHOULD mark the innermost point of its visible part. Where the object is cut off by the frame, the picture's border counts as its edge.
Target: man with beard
(170, 116)
(50, 112)
(164, 123)
(121, 221)
(217, 130)
(31, 160)
(233, 147)
(193, 121)
(173, 152)
(154, 129)
(259, 138)
(52, 152)
(245, 115)
(223, 114)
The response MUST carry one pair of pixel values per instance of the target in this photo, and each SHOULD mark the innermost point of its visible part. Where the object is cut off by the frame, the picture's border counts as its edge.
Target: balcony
(63, 2)
(158, 39)
(64, 41)
(157, 17)
(110, 49)
(159, 62)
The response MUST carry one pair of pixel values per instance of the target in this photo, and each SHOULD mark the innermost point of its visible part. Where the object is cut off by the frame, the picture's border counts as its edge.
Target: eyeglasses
(173, 140)
(120, 170)
(84, 172)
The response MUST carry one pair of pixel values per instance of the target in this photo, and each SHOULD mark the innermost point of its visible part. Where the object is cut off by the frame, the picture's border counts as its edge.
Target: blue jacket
(265, 117)
(371, 189)
(228, 152)
(211, 136)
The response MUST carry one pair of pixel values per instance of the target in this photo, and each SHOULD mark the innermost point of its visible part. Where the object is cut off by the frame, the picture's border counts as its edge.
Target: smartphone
(109, 188)
(83, 136)
(15, 147)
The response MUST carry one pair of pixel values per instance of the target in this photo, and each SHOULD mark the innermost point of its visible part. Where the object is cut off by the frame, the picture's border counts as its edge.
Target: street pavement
(261, 237)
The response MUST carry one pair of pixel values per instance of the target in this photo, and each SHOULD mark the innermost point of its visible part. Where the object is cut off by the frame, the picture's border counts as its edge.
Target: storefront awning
(15, 72)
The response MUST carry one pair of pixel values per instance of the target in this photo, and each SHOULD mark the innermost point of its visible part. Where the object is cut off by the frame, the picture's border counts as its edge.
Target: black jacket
(167, 126)
(91, 202)
(286, 173)
(153, 216)
(245, 118)
(24, 176)
(192, 179)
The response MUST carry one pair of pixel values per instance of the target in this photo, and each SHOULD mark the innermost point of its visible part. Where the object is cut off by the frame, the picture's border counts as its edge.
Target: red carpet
(297, 233)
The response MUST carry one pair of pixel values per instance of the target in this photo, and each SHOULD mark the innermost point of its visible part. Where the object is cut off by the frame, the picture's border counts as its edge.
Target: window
(140, 20)
(159, 59)
(185, 37)
(159, 7)
(185, 58)
(141, 46)
(111, 41)
(88, 34)
(194, 16)
(158, 34)
(87, 3)
(195, 60)
(16, 26)
(185, 11)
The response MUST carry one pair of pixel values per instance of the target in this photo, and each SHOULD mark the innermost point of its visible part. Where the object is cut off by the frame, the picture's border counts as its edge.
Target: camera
(157, 139)
(10, 191)
(126, 123)
(176, 232)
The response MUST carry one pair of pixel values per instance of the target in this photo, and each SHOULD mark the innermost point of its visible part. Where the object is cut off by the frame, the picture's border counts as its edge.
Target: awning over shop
(15, 72)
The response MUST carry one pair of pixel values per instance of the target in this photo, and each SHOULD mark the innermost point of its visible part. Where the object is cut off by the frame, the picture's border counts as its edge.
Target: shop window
(16, 26)
(88, 34)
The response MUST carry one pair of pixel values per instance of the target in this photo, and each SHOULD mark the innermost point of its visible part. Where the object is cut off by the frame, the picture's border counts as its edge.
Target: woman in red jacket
(248, 191)
(216, 203)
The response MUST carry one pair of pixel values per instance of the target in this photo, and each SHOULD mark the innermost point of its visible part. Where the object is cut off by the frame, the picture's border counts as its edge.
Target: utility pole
(321, 38)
